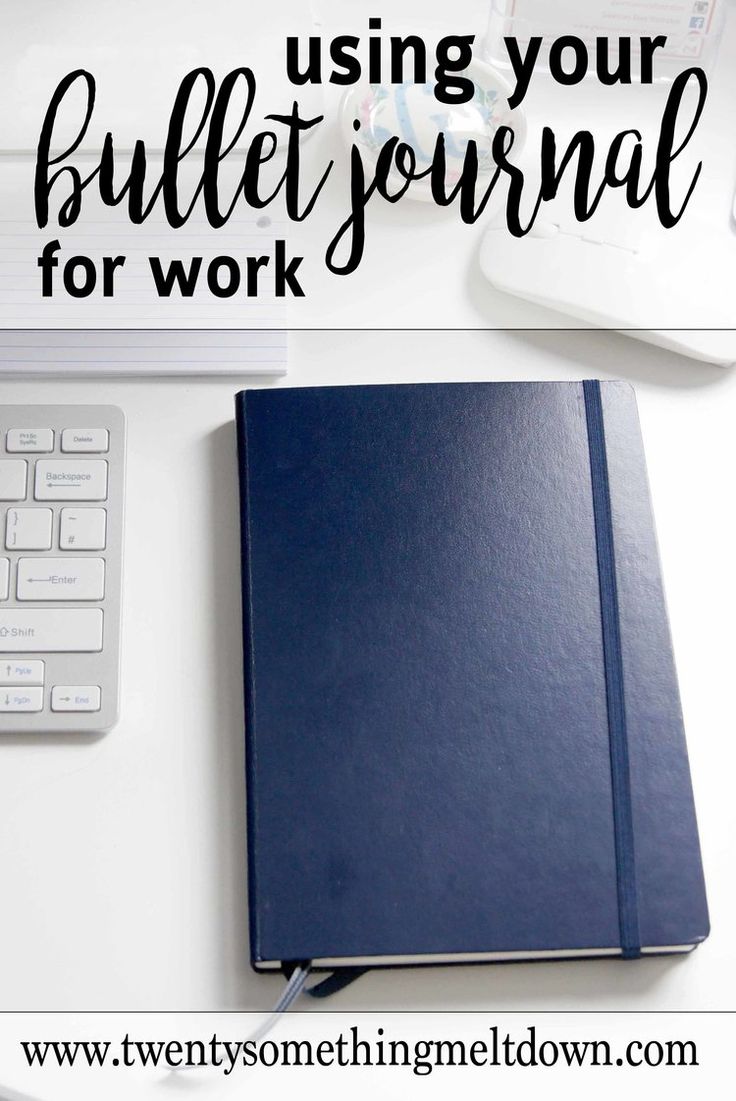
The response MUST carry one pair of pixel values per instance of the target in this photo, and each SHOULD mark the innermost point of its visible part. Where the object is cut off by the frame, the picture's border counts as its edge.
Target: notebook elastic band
(628, 910)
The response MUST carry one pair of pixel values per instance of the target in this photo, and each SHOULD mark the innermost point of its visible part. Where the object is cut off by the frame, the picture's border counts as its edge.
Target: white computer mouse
(627, 274)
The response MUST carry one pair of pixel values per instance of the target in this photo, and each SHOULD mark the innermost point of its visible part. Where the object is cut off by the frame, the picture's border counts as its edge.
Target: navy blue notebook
(464, 738)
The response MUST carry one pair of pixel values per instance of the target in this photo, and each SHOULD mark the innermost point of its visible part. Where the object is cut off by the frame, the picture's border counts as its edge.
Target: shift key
(71, 480)
(50, 630)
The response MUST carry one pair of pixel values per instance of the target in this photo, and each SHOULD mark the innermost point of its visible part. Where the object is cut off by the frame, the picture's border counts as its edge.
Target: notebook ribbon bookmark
(628, 910)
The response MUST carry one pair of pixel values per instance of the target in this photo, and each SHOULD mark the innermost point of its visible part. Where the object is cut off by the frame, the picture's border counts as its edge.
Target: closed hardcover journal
(463, 730)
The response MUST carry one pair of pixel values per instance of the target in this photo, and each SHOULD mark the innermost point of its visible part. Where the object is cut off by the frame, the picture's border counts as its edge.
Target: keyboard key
(83, 529)
(29, 439)
(21, 699)
(50, 630)
(4, 578)
(85, 439)
(71, 480)
(61, 578)
(19, 672)
(75, 697)
(28, 528)
(13, 479)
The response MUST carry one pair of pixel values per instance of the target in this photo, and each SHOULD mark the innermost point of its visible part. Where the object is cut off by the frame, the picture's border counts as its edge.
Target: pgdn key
(21, 699)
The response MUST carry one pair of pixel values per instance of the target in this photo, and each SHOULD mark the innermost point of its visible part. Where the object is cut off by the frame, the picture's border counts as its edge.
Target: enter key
(61, 579)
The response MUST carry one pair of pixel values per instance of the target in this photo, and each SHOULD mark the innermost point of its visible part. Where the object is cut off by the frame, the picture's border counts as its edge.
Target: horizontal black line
(382, 1012)
(373, 329)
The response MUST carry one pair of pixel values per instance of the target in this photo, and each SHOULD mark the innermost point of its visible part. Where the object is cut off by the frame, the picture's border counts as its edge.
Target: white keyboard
(62, 476)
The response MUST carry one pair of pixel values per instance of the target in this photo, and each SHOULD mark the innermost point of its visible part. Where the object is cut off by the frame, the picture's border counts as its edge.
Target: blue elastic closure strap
(628, 909)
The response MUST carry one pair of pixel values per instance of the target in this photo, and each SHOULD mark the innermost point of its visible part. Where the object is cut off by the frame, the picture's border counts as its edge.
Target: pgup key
(21, 673)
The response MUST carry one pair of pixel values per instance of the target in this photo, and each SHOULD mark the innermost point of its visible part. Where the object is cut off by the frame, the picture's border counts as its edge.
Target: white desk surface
(123, 859)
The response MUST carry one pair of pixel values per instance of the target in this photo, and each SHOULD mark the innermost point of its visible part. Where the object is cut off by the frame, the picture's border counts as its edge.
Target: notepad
(140, 352)
(134, 302)
(134, 332)
(463, 731)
